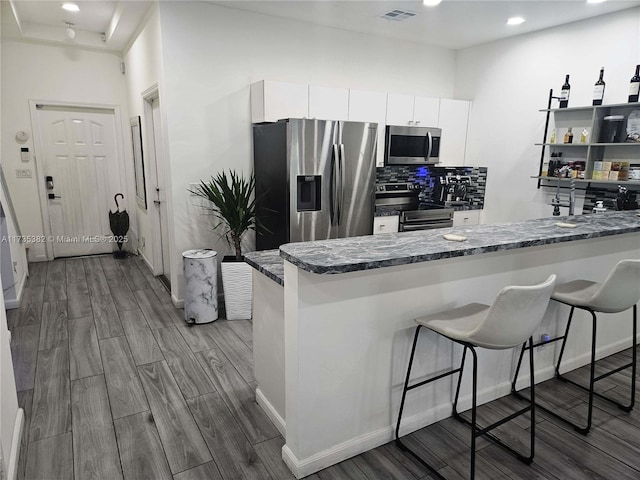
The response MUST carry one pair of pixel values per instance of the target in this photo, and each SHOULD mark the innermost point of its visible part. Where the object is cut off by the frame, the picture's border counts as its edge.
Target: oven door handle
(424, 226)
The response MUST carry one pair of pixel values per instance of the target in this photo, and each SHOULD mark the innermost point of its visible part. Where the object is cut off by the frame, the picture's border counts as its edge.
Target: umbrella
(119, 223)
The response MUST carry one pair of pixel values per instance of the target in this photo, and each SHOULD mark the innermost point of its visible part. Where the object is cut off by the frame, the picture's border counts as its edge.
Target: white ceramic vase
(237, 283)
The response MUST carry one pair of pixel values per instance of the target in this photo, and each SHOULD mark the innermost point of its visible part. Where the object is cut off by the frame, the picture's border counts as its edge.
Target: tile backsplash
(428, 178)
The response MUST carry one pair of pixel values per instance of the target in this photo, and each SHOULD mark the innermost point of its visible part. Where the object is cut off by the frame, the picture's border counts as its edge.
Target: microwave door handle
(429, 145)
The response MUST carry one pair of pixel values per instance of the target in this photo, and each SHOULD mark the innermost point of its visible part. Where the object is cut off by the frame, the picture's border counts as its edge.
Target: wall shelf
(585, 180)
(591, 119)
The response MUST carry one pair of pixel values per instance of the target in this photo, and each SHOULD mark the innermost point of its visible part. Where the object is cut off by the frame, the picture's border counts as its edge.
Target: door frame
(38, 159)
(154, 165)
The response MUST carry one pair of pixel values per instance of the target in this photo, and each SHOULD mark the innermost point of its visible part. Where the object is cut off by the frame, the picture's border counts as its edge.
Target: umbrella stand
(119, 223)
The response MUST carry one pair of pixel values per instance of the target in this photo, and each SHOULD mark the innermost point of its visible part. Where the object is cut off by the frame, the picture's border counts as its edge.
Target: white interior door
(160, 202)
(79, 157)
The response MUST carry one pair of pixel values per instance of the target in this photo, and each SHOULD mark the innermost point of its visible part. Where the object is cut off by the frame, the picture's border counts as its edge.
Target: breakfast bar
(333, 322)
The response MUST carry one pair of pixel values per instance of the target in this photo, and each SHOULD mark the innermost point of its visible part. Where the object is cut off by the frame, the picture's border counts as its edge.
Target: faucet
(572, 199)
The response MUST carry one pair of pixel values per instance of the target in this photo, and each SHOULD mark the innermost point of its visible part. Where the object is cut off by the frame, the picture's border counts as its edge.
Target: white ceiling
(453, 24)
(46, 21)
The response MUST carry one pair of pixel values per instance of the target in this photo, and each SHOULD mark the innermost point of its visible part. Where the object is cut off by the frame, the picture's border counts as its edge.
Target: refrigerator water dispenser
(309, 193)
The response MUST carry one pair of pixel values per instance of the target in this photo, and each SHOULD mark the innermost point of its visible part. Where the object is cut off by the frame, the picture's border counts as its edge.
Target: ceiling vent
(398, 15)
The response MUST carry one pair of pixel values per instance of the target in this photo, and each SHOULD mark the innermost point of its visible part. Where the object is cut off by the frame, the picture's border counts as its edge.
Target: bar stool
(508, 322)
(620, 291)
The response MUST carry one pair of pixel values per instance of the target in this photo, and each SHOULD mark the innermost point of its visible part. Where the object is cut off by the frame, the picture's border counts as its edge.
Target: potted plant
(233, 205)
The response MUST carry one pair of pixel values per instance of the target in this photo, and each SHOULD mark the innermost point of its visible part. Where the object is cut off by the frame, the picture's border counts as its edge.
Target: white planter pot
(237, 284)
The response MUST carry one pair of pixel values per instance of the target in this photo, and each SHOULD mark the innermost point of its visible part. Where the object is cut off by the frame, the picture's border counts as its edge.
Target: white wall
(143, 67)
(14, 266)
(212, 54)
(50, 72)
(509, 82)
(8, 396)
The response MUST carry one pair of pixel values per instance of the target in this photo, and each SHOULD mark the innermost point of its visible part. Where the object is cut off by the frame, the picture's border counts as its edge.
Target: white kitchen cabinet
(426, 111)
(326, 103)
(466, 217)
(410, 110)
(454, 118)
(399, 109)
(367, 106)
(388, 224)
(272, 101)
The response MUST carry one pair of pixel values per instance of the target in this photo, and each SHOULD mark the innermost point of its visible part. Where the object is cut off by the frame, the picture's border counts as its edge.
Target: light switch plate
(23, 173)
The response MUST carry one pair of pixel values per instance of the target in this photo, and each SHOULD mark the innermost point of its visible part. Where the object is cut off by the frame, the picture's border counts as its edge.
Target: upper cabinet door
(399, 109)
(454, 118)
(426, 111)
(272, 101)
(370, 107)
(327, 103)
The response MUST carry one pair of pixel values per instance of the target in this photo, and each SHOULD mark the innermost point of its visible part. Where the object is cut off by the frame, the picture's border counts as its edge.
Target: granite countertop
(268, 262)
(377, 251)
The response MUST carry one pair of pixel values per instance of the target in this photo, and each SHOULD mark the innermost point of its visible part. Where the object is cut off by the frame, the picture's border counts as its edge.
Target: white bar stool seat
(509, 322)
(619, 292)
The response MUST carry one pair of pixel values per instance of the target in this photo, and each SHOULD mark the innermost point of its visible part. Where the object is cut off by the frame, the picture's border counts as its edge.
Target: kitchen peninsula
(333, 323)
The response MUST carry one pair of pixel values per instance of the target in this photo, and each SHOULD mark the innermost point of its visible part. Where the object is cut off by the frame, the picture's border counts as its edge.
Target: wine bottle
(598, 90)
(568, 137)
(564, 94)
(634, 86)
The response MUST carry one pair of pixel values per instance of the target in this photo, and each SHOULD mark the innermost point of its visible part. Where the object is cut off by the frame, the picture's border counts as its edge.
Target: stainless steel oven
(426, 219)
(406, 145)
(404, 197)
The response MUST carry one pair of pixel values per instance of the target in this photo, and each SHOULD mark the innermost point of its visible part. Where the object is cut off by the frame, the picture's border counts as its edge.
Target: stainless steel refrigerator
(315, 180)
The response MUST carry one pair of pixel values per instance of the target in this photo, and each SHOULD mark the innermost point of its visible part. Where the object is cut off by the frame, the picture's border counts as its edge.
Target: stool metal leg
(406, 381)
(590, 389)
(476, 431)
(564, 341)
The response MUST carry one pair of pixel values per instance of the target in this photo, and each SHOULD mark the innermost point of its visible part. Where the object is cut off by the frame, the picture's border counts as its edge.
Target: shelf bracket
(544, 138)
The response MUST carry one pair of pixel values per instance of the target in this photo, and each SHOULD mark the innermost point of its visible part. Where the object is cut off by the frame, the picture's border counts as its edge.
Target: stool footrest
(433, 379)
(483, 430)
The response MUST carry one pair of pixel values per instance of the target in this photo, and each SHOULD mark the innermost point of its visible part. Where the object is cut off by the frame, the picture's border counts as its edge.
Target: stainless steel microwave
(406, 145)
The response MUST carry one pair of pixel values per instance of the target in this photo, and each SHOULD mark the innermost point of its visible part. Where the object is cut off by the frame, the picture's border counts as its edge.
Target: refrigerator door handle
(341, 180)
(333, 186)
(429, 145)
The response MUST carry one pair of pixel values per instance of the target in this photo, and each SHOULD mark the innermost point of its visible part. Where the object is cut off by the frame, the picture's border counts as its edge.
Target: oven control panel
(398, 188)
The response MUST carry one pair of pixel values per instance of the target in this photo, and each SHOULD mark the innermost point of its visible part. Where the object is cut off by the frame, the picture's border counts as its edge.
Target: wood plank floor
(114, 386)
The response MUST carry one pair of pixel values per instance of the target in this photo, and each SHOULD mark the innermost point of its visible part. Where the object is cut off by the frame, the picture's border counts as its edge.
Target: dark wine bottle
(598, 90)
(634, 86)
(564, 94)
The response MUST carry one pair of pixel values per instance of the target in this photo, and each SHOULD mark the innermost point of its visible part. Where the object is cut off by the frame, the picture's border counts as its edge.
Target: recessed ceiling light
(515, 21)
(70, 7)
(596, 1)
(431, 3)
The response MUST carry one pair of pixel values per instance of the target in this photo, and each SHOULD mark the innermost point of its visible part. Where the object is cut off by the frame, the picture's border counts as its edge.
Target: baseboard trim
(146, 260)
(177, 302)
(271, 412)
(11, 304)
(363, 443)
(18, 427)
